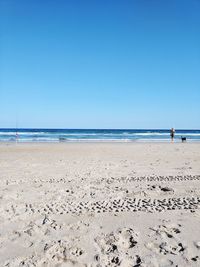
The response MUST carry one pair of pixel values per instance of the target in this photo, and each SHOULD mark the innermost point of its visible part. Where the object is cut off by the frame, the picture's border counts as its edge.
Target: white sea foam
(98, 134)
(22, 133)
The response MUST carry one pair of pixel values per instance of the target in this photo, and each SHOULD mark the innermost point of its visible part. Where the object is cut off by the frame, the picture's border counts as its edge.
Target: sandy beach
(100, 204)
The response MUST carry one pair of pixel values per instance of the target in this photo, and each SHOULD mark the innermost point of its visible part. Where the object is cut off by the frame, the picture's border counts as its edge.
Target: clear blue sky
(100, 64)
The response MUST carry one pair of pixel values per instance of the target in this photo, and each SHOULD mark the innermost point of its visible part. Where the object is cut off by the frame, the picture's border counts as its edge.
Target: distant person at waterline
(172, 133)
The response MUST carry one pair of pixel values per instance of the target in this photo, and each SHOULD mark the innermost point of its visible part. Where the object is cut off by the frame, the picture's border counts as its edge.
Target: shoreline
(150, 141)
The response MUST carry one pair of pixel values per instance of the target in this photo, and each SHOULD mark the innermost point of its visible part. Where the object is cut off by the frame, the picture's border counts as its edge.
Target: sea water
(94, 135)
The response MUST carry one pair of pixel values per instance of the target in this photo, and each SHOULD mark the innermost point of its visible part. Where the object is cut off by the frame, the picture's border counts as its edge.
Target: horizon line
(36, 128)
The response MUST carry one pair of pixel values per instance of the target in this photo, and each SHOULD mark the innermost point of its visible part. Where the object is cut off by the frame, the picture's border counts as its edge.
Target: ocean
(94, 135)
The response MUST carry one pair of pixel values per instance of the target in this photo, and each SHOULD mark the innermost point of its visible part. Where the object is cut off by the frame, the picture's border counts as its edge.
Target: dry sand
(122, 204)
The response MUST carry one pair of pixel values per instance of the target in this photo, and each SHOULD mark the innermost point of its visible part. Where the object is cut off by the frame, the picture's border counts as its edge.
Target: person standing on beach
(172, 133)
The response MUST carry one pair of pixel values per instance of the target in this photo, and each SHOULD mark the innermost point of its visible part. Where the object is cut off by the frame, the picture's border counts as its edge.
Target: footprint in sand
(117, 248)
(168, 241)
